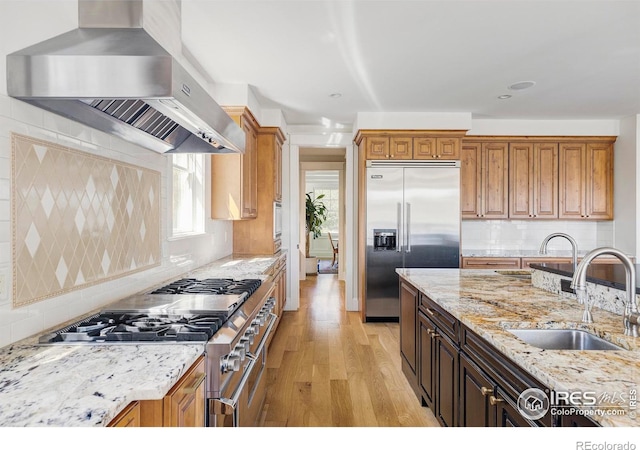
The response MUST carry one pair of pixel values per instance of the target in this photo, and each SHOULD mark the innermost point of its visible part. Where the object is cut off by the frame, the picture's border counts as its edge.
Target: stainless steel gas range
(233, 317)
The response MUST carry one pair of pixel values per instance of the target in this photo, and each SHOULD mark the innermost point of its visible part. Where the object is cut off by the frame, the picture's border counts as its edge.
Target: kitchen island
(488, 303)
(88, 385)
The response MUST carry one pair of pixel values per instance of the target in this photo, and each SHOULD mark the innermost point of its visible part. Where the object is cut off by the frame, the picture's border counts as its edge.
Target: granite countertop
(488, 302)
(88, 385)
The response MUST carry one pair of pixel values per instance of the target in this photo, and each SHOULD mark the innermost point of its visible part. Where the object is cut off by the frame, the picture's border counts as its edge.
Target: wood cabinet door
(377, 147)
(572, 183)
(277, 179)
(446, 381)
(545, 185)
(249, 170)
(475, 389)
(408, 323)
(470, 180)
(448, 148)
(128, 417)
(507, 415)
(424, 148)
(495, 180)
(401, 147)
(184, 405)
(426, 361)
(599, 181)
(521, 181)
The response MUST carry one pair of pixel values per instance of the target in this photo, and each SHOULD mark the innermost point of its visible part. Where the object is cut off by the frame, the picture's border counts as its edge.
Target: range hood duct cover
(123, 82)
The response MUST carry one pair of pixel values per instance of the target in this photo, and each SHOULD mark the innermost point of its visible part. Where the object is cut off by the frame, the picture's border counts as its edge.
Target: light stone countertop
(67, 385)
(487, 303)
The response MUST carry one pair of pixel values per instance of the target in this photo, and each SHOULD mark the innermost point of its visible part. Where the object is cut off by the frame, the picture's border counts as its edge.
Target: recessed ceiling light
(335, 95)
(522, 85)
(504, 97)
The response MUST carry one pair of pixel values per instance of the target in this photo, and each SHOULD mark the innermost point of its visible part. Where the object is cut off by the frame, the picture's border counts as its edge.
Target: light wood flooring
(327, 368)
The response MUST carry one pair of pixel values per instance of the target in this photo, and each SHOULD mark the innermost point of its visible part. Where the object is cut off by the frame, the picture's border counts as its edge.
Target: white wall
(23, 24)
(625, 190)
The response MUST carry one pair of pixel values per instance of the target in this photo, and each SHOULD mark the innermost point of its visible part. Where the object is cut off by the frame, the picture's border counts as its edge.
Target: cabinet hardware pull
(486, 391)
(435, 335)
(494, 401)
(430, 312)
(191, 389)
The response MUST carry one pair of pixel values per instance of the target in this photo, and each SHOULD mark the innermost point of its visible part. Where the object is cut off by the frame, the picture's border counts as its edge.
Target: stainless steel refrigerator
(412, 220)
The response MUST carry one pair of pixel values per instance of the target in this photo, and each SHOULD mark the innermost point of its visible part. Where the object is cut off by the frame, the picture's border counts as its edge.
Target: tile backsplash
(500, 235)
(78, 219)
(177, 256)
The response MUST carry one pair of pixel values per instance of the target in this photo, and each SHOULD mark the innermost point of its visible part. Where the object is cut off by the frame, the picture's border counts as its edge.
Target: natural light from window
(188, 194)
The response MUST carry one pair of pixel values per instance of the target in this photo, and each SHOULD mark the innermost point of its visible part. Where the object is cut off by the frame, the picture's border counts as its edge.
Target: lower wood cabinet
(128, 417)
(490, 263)
(475, 391)
(183, 406)
(408, 333)
(462, 378)
(438, 362)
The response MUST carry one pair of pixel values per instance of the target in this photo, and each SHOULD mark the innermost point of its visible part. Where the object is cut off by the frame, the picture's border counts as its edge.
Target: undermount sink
(522, 274)
(551, 339)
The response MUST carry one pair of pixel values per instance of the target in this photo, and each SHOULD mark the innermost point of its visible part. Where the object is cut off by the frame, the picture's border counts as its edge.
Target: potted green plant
(316, 214)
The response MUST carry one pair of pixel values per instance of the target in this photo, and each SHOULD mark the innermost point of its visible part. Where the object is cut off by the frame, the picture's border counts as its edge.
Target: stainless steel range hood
(115, 77)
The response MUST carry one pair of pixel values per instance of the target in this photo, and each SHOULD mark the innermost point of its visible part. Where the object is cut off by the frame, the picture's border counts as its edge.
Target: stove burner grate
(211, 286)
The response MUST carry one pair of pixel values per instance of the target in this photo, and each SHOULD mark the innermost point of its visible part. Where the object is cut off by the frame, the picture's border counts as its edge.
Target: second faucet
(574, 247)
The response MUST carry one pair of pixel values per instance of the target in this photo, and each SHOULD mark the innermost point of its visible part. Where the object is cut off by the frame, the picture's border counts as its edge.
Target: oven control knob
(246, 343)
(258, 321)
(239, 351)
(230, 363)
(250, 333)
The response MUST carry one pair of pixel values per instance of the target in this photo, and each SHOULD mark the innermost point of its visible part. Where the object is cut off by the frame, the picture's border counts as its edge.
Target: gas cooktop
(184, 310)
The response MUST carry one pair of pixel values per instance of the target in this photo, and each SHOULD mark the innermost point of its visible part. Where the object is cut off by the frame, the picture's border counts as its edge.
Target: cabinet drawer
(512, 379)
(443, 320)
(490, 263)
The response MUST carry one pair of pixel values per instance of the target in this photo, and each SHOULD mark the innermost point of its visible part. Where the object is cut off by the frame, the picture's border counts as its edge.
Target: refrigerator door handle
(398, 246)
(407, 225)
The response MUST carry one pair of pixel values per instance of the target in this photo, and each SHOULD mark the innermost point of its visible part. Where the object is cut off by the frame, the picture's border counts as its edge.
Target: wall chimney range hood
(110, 74)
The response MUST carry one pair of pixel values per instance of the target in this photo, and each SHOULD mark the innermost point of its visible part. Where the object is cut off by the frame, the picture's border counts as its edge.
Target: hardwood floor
(327, 368)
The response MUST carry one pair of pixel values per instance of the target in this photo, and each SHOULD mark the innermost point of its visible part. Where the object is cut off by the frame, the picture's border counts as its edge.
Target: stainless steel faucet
(631, 318)
(574, 247)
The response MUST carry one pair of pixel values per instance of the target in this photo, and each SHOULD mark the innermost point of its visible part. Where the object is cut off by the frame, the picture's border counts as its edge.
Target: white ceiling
(427, 56)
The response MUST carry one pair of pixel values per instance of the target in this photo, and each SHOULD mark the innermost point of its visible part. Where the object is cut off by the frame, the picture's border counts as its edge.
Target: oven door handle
(227, 406)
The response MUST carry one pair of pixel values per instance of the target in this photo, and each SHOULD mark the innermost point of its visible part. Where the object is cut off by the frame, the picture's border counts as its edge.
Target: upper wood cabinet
(436, 148)
(409, 144)
(542, 177)
(484, 178)
(586, 180)
(257, 236)
(533, 180)
(234, 189)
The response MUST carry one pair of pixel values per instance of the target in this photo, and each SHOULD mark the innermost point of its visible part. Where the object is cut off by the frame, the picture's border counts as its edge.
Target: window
(188, 194)
(326, 182)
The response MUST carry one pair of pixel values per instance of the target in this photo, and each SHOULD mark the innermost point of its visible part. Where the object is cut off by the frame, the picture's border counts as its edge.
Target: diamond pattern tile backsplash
(78, 219)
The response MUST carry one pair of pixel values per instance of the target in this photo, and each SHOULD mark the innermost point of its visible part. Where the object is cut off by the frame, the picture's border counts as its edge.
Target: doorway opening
(324, 186)
(322, 174)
